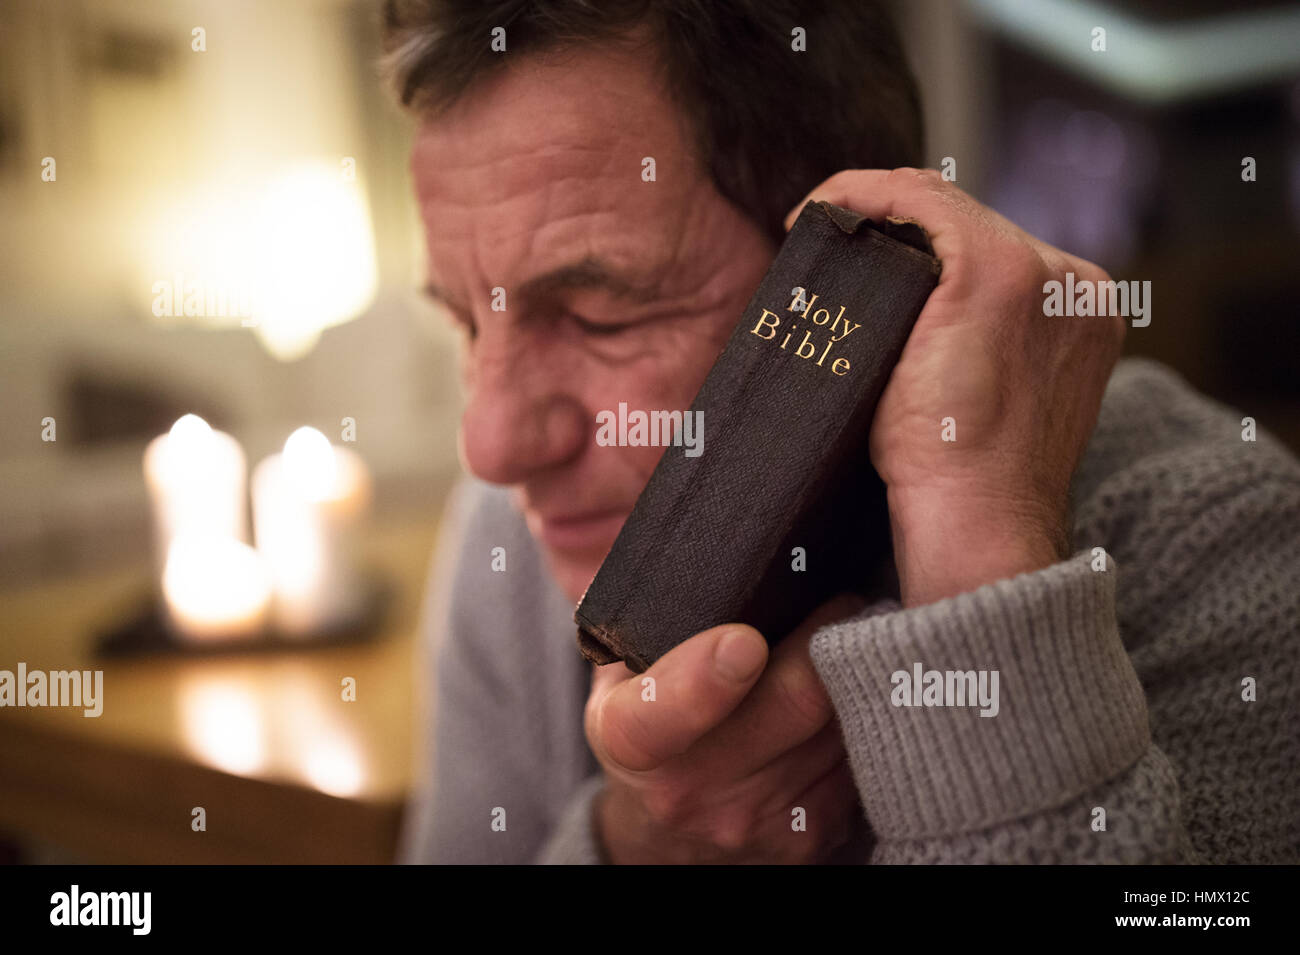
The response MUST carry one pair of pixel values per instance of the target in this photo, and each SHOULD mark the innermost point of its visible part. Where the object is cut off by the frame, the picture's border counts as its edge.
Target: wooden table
(285, 769)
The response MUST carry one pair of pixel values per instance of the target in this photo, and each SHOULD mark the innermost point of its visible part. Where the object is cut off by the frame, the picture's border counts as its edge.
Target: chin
(574, 554)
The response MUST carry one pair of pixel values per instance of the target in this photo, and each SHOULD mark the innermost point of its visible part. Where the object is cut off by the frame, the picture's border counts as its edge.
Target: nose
(521, 414)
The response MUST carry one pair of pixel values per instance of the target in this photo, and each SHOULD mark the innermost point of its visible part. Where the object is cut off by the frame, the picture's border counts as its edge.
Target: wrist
(943, 548)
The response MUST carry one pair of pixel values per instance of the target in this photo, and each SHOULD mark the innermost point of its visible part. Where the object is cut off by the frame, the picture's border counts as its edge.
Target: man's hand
(712, 768)
(1023, 391)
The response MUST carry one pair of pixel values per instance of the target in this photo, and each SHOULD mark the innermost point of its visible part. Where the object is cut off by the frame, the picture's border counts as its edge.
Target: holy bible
(782, 510)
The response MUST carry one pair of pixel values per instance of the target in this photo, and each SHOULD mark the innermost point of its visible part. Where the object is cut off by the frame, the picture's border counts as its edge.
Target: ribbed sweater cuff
(1071, 712)
(574, 841)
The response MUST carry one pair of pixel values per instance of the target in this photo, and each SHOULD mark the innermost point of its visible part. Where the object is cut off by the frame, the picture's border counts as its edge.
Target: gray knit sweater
(1124, 689)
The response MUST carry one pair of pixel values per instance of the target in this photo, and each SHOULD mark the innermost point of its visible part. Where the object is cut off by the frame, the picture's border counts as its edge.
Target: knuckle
(1086, 269)
(1021, 272)
(1025, 267)
(802, 693)
(1120, 331)
(927, 178)
(1118, 325)
(734, 829)
(668, 803)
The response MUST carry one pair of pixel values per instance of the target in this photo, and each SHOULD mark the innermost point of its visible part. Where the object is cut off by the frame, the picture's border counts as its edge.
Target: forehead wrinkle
(567, 187)
(572, 230)
(555, 120)
(580, 158)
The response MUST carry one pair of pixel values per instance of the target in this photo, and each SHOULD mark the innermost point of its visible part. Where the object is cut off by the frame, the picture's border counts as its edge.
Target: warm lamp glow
(318, 261)
(287, 257)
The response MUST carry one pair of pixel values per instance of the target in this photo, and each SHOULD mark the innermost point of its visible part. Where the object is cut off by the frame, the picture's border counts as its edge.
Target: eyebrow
(588, 273)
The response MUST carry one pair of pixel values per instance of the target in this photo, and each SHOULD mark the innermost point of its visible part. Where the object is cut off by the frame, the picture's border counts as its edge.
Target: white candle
(196, 478)
(215, 588)
(309, 507)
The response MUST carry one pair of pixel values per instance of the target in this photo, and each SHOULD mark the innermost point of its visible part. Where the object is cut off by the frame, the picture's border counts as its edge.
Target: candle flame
(190, 429)
(190, 446)
(310, 463)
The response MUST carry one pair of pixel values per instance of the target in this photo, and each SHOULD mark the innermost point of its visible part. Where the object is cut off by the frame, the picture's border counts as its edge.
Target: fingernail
(739, 655)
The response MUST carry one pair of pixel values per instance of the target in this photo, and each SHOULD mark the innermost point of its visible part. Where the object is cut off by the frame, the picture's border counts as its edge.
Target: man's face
(616, 289)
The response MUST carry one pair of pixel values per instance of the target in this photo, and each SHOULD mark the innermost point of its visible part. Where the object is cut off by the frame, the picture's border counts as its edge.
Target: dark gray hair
(770, 122)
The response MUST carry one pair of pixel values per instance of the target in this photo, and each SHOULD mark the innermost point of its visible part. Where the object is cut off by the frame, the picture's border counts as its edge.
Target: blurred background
(206, 210)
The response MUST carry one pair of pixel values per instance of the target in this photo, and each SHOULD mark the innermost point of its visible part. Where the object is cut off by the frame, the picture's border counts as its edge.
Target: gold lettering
(776, 320)
(849, 329)
(769, 323)
(806, 343)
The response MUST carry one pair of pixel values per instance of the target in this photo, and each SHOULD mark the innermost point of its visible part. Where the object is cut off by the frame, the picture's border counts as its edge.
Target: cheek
(671, 372)
(641, 462)
(665, 378)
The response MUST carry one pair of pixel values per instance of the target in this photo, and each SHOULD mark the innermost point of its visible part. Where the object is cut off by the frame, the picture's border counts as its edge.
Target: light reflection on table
(287, 769)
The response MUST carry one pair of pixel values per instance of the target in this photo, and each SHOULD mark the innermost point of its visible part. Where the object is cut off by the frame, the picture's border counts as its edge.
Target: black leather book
(781, 509)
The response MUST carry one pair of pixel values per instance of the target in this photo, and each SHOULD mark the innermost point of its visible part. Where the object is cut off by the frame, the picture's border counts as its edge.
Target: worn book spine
(782, 508)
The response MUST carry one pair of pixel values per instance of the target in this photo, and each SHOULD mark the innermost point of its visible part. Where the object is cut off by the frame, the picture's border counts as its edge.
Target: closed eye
(462, 320)
(459, 316)
(601, 329)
